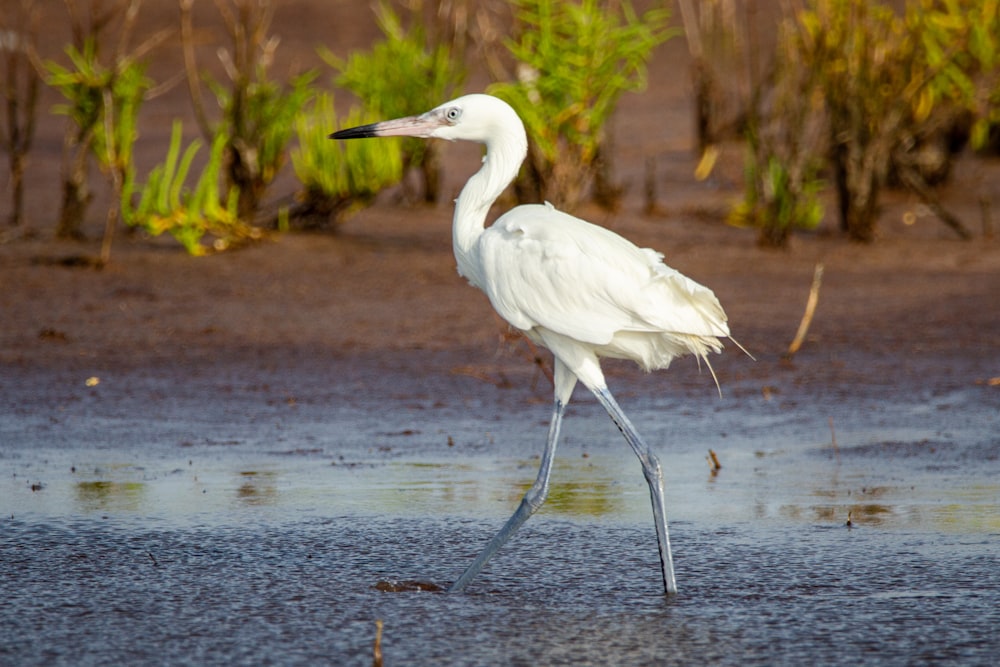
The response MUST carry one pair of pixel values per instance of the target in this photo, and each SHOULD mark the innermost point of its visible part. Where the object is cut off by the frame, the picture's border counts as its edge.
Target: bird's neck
(504, 155)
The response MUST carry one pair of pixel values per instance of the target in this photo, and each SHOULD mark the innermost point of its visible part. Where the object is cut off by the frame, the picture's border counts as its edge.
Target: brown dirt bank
(903, 313)
(917, 307)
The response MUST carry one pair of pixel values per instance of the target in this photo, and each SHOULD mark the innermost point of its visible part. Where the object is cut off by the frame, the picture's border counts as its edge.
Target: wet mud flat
(251, 517)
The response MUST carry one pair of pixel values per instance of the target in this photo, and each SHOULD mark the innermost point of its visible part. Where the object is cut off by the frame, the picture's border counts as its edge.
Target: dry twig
(377, 648)
(807, 317)
(713, 462)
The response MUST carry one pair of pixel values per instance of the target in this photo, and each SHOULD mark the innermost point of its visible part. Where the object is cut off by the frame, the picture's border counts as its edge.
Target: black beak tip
(361, 132)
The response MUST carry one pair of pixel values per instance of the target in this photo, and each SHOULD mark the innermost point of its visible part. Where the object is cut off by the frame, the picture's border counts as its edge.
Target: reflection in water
(866, 513)
(979, 511)
(822, 493)
(258, 488)
(582, 496)
(578, 487)
(894, 494)
(106, 496)
(872, 513)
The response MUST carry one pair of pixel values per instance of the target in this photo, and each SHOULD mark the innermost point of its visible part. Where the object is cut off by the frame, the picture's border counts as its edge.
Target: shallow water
(239, 522)
(563, 592)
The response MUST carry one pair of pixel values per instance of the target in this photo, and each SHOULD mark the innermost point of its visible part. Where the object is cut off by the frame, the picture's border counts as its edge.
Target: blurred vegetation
(845, 98)
(338, 177)
(409, 70)
(257, 112)
(573, 63)
(103, 100)
(722, 44)
(879, 77)
(19, 85)
(81, 84)
(896, 94)
(195, 217)
(115, 139)
(784, 144)
(101, 92)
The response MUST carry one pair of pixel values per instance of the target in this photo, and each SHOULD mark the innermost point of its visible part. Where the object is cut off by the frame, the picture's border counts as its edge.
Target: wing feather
(547, 268)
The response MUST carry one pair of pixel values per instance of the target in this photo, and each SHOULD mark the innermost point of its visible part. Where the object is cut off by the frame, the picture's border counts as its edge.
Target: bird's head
(477, 117)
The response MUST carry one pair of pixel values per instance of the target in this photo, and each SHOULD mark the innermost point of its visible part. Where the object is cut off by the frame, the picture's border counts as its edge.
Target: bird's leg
(532, 500)
(654, 477)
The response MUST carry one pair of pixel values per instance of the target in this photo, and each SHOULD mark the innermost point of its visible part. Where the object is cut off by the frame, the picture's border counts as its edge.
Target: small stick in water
(377, 649)
(713, 462)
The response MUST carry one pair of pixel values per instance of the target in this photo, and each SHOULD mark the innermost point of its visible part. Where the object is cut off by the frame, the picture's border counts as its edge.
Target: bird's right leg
(654, 477)
(533, 499)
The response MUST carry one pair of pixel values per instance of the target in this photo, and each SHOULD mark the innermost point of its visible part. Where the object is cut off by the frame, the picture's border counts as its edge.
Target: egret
(578, 289)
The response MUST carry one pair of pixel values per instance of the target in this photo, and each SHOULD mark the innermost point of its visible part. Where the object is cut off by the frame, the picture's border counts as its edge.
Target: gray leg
(532, 500)
(654, 477)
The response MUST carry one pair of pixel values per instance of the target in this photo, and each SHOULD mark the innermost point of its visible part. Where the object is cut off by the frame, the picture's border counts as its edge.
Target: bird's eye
(453, 114)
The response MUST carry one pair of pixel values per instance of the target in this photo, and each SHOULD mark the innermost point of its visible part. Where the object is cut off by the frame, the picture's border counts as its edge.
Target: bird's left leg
(654, 477)
(533, 499)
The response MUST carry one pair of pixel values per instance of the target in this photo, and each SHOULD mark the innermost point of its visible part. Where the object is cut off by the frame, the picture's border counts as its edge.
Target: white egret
(577, 289)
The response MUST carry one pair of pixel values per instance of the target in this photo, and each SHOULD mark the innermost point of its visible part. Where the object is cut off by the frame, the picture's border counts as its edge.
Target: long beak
(411, 126)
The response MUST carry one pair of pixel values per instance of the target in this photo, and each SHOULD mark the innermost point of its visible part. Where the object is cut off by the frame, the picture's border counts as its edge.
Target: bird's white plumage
(578, 289)
(543, 268)
(548, 272)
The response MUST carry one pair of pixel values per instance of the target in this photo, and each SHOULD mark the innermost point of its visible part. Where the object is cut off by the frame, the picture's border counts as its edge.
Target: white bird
(577, 289)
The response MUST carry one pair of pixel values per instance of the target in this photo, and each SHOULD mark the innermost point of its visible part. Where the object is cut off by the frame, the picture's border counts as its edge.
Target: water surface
(250, 523)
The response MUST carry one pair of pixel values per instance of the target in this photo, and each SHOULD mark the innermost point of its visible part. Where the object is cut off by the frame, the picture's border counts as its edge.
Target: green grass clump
(338, 177)
(409, 71)
(575, 60)
(197, 217)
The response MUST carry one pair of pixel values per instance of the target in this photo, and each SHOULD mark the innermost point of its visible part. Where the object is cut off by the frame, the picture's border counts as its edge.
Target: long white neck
(504, 154)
